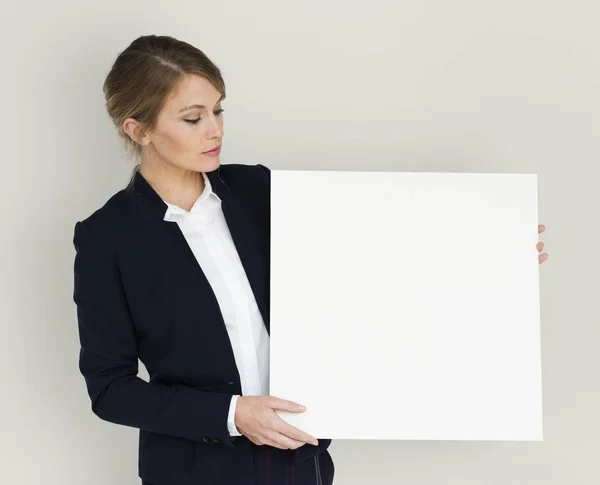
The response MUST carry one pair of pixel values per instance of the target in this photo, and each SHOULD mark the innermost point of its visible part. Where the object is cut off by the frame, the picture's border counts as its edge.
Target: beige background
(433, 85)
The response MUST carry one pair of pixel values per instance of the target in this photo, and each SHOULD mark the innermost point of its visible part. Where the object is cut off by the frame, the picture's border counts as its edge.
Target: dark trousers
(270, 469)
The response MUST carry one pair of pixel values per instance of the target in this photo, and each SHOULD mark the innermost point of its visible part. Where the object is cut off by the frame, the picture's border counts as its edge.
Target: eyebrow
(200, 106)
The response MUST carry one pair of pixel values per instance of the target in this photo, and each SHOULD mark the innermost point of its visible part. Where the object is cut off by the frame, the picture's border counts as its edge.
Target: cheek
(180, 141)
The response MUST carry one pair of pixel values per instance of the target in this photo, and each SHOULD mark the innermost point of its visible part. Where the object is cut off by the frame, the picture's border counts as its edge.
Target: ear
(135, 131)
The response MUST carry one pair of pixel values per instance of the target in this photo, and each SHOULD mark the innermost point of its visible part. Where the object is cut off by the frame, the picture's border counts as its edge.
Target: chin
(213, 164)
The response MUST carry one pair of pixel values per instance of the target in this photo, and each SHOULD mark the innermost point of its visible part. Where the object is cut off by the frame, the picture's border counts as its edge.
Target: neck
(174, 185)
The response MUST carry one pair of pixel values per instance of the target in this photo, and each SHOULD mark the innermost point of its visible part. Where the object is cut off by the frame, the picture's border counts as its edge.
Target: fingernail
(301, 406)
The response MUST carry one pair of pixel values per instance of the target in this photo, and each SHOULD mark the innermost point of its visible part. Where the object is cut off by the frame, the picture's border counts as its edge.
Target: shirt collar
(201, 205)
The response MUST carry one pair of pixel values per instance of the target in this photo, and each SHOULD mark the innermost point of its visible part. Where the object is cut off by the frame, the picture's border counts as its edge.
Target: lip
(214, 151)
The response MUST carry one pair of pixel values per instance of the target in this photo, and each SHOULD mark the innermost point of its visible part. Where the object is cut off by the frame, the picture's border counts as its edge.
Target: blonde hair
(142, 77)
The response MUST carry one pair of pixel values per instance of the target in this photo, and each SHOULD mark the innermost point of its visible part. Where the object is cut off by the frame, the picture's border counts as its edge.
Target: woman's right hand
(255, 418)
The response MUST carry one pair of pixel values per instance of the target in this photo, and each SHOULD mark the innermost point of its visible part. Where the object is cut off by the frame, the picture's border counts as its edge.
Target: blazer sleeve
(108, 358)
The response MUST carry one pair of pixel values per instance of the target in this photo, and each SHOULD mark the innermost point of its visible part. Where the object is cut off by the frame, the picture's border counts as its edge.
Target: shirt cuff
(233, 431)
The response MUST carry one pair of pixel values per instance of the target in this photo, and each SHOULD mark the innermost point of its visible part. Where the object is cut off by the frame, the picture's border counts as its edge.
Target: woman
(174, 270)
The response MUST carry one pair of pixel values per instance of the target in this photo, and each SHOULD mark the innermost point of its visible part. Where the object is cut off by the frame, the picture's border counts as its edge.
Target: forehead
(192, 89)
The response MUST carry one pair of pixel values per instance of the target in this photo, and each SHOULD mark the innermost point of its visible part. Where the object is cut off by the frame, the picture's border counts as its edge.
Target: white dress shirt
(208, 236)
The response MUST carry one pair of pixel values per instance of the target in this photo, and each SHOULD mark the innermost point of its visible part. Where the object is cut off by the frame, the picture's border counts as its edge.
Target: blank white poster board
(406, 305)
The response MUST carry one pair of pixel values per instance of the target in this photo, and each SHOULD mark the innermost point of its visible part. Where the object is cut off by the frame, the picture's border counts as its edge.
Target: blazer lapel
(247, 240)
(244, 232)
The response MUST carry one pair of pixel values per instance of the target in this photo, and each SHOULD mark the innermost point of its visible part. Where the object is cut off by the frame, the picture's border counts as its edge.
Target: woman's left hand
(540, 246)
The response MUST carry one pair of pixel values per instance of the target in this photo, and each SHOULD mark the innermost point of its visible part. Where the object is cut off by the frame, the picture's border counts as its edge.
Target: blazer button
(216, 441)
(205, 439)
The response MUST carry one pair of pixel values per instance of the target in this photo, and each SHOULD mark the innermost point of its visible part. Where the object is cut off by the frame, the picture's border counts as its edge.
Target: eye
(218, 113)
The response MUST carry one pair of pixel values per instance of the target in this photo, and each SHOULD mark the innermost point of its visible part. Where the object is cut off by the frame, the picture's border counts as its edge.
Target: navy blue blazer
(140, 293)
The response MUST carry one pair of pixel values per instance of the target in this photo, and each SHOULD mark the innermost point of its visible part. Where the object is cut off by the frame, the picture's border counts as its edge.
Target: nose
(216, 130)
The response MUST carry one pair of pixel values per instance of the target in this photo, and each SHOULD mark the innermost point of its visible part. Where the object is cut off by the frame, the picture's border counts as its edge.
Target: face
(190, 124)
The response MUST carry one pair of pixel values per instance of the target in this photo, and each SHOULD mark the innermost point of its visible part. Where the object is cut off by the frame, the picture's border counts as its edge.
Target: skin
(172, 162)
(540, 246)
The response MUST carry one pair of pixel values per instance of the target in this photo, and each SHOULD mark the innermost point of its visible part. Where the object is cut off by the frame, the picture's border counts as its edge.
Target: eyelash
(218, 113)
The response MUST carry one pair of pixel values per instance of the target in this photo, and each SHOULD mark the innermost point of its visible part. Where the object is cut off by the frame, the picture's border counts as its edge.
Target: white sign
(406, 305)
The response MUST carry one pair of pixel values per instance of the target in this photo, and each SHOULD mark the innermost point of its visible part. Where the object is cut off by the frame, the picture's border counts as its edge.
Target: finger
(543, 257)
(285, 405)
(289, 443)
(539, 246)
(541, 228)
(282, 442)
(296, 434)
